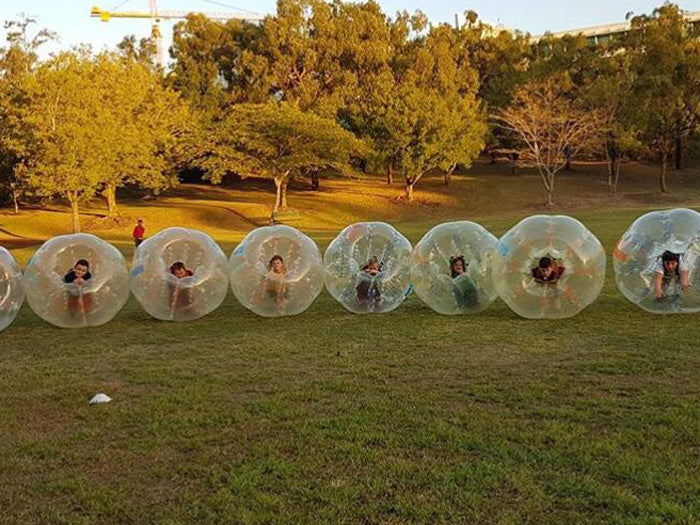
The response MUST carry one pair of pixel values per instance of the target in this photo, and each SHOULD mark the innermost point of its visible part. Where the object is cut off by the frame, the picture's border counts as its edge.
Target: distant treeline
(339, 88)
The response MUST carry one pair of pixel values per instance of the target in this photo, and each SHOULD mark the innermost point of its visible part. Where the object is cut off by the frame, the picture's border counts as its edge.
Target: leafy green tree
(142, 123)
(63, 147)
(17, 61)
(275, 141)
(610, 92)
(143, 51)
(196, 73)
(665, 55)
(421, 111)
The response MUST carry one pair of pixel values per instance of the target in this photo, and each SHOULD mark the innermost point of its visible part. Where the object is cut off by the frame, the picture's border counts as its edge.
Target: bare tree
(550, 128)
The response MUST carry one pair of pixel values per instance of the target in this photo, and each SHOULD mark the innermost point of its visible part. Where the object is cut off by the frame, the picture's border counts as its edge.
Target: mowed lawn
(329, 417)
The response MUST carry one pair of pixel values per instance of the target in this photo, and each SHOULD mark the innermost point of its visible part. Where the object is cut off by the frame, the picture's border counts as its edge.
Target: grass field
(329, 417)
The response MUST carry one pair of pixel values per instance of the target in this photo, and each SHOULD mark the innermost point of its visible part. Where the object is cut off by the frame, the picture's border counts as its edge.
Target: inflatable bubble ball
(656, 262)
(276, 271)
(368, 267)
(77, 280)
(11, 288)
(549, 267)
(451, 268)
(179, 275)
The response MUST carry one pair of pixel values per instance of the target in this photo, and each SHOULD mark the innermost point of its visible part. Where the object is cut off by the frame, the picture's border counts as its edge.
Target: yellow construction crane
(156, 16)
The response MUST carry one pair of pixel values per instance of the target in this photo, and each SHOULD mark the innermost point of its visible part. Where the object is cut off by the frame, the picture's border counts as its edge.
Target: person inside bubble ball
(368, 292)
(79, 275)
(180, 297)
(465, 292)
(670, 268)
(548, 271)
(275, 286)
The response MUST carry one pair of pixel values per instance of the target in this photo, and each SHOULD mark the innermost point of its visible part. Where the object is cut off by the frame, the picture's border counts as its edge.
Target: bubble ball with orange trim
(656, 262)
(549, 267)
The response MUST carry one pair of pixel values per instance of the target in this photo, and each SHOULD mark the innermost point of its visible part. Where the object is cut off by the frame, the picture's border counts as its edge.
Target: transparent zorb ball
(451, 268)
(638, 261)
(368, 267)
(59, 292)
(549, 267)
(179, 275)
(276, 271)
(11, 288)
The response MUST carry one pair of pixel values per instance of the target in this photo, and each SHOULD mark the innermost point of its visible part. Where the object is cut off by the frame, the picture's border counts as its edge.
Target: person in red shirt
(139, 232)
(548, 271)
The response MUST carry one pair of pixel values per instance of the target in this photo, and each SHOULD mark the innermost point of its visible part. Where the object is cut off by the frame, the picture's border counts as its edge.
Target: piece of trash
(100, 398)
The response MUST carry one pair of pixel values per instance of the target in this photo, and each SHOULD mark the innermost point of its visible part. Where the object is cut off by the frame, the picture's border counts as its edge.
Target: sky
(71, 18)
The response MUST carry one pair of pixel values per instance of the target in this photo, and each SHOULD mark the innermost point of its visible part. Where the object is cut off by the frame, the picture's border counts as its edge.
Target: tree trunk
(616, 166)
(283, 194)
(609, 163)
(15, 198)
(315, 181)
(679, 152)
(389, 174)
(409, 189)
(567, 152)
(662, 178)
(278, 195)
(73, 198)
(110, 194)
(448, 174)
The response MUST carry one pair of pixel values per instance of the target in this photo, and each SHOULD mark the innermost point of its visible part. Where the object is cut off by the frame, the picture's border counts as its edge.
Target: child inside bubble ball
(368, 292)
(465, 292)
(548, 270)
(671, 268)
(79, 275)
(179, 297)
(275, 285)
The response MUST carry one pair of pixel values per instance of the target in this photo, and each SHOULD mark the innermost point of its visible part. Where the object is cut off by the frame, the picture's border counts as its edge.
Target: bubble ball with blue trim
(451, 268)
(368, 267)
(76, 281)
(549, 267)
(179, 275)
(656, 262)
(276, 271)
(11, 288)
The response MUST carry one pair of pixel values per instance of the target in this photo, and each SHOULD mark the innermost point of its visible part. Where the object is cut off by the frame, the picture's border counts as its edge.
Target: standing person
(139, 232)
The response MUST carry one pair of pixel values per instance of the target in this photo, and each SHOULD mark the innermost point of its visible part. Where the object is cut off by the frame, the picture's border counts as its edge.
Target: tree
(17, 61)
(611, 93)
(424, 131)
(665, 55)
(63, 146)
(142, 121)
(143, 51)
(275, 141)
(548, 124)
(196, 74)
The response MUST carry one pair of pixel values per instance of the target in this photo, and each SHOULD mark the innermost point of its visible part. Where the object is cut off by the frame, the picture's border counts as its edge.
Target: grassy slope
(408, 417)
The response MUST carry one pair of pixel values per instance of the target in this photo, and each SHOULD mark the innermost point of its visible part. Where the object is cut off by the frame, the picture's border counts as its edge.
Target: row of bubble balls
(492, 268)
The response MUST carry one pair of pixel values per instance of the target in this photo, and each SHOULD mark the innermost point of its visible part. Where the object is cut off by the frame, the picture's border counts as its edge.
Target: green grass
(328, 417)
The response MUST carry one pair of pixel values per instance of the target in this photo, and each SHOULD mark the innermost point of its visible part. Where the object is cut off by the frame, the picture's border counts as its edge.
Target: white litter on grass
(100, 398)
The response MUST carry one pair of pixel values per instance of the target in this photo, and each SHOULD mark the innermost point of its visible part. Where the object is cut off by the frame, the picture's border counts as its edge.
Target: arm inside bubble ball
(659, 285)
